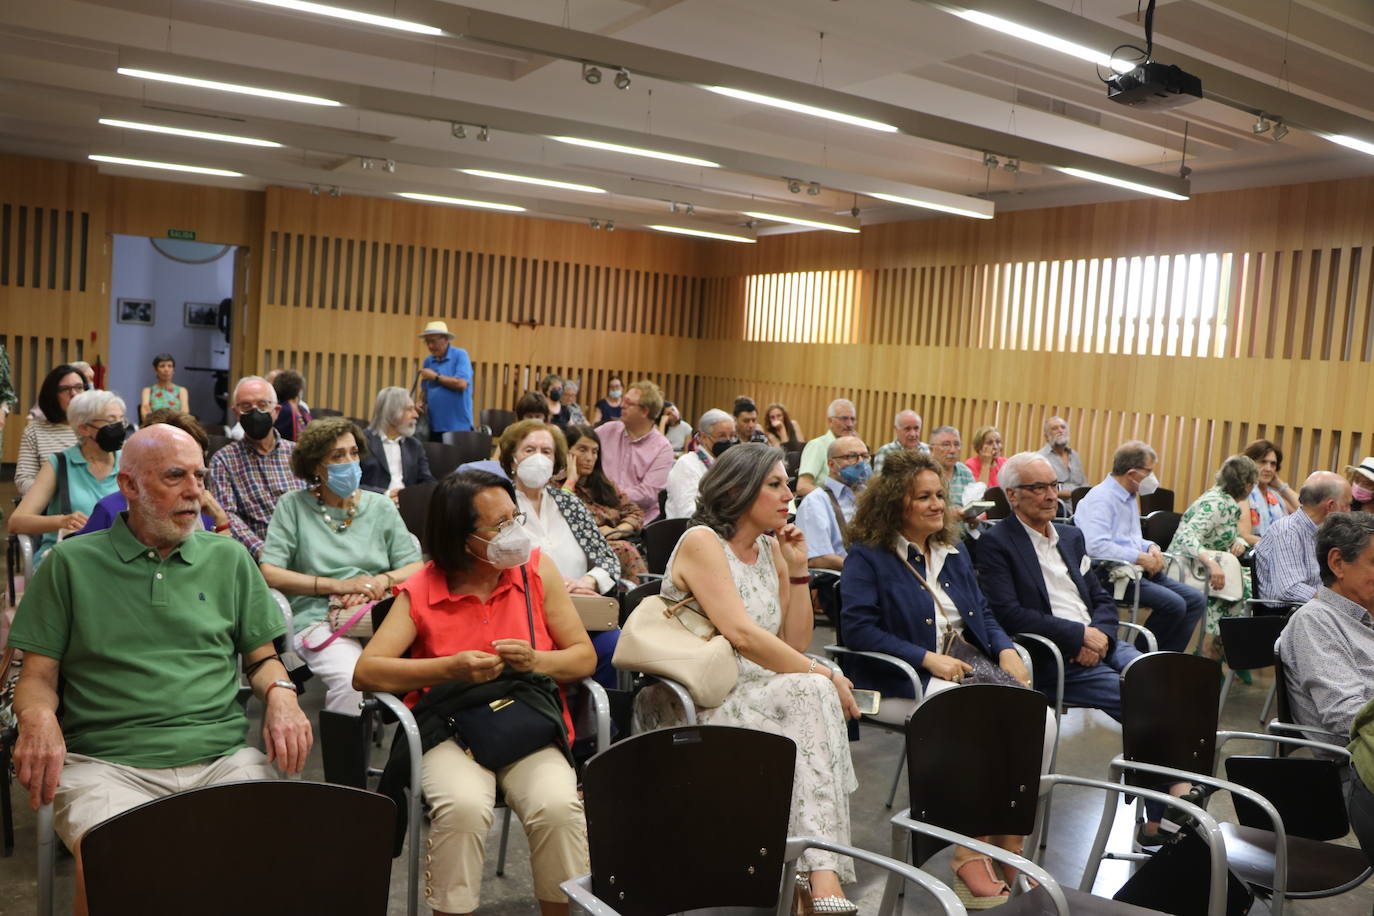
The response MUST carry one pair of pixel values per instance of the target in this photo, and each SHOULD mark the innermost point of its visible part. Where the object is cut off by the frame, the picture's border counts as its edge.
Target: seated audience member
(946, 445)
(1327, 647)
(551, 387)
(212, 516)
(149, 687)
(1033, 573)
(532, 406)
(571, 387)
(1271, 499)
(987, 459)
(395, 459)
(780, 428)
(49, 432)
(907, 425)
(715, 433)
(1212, 523)
(445, 383)
(617, 518)
(823, 514)
(907, 591)
(754, 589)
(163, 393)
(1067, 463)
(674, 428)
(293, 417)
(75, 479)
(463, 623)
(608, 408)
(636, 456)
(334, 544)
(1286, 557)
(249, 476)
(747, 428)
(842, 419)
(1361, 479)
(1110, 520)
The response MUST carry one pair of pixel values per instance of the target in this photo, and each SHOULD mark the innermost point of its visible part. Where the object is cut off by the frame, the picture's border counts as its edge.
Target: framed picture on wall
(202, 315)
(135, 311)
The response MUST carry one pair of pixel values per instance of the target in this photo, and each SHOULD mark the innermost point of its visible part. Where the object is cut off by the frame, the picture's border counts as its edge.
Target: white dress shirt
(550, 532)
(682, 486)
(935, 562)
(392, 449)
(1065, 601)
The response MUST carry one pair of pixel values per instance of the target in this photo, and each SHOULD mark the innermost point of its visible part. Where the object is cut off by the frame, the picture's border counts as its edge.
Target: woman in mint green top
(334, 543)
(92, 468)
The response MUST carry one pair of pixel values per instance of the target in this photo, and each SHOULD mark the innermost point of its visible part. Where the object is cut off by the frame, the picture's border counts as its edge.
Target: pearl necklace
(336, 527)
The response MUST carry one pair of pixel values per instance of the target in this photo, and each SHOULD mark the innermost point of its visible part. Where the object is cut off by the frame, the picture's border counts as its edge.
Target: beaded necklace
(336, 527)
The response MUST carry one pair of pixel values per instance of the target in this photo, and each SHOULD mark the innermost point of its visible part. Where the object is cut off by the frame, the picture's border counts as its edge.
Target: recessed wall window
(817, 306)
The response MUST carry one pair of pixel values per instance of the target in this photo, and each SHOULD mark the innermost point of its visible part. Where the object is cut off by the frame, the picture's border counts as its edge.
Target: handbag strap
(343, 628)
(529, 607)
(939, 605)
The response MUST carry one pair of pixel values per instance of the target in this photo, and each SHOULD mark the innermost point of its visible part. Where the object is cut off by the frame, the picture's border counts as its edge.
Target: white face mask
(509, 549)
(535, 471)
(1148, 485)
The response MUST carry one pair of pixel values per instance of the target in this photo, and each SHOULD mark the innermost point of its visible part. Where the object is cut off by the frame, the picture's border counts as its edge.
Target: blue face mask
(857, 474)
(344, 478)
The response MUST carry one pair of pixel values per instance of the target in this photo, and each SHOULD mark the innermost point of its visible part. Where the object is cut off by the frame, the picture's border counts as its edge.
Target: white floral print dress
(804, 707)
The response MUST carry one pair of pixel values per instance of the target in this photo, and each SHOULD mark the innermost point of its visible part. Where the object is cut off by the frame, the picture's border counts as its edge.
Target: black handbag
(506, 729)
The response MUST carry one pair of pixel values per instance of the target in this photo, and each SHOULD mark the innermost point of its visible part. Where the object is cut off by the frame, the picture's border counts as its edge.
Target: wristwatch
(289, 685)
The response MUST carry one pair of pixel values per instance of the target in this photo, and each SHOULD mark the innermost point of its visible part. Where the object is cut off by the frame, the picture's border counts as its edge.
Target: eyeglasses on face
(853, 456)
(71, 389)
(516, 519)
(1037, 489)
(245, 406)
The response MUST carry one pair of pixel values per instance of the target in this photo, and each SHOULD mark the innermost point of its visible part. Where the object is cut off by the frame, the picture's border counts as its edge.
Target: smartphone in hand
(867, 701)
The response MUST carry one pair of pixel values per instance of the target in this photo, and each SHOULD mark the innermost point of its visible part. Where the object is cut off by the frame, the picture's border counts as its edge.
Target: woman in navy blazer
(901, 521)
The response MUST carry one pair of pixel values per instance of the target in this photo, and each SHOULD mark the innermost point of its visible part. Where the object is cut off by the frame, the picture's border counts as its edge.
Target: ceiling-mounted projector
(1154, 86)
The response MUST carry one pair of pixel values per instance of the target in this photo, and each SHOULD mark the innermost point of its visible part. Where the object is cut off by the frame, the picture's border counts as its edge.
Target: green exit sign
(186, 235)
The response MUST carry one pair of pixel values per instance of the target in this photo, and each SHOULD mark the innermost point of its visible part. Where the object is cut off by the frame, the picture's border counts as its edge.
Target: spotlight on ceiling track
(460, 132)
(1261, 125)
(1280, 130)
(315, 190)
(794, 185)
(594, 223)
(622, 79)
(389, 166)
(334, 191)
(990, 161)
(483, 135)
(814, 188)
(610, 225)
(691, 210)
(1012, 165)
(590, 74)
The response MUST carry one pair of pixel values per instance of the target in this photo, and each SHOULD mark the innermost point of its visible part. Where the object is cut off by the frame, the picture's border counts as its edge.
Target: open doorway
(171, 296)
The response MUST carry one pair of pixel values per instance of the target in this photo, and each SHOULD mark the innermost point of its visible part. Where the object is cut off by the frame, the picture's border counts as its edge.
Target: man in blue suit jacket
(395, 458)
(1033, 574)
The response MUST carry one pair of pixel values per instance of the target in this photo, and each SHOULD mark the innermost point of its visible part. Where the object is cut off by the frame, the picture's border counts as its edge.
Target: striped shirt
(1286, 559)
(248, 484)
(40, 439)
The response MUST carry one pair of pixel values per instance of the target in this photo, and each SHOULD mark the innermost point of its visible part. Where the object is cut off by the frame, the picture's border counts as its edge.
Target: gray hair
(1237, 475)
(1010, 476)
(709, 420)
(941, 430)
(1044, 431)
(571, 384)
(386, 411)
(1321, 486)
(837, 403)
(1129, 456)
(271, 391)
(1347, 532)
(897, 420)
(731, 484)
(82, 367)
(89, 405)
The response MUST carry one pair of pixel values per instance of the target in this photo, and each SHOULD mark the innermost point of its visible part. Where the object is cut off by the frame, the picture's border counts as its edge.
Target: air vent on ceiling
(1058, 107)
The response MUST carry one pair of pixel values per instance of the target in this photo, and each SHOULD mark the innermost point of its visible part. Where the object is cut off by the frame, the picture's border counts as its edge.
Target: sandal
(965, 893)
(1011, 873)
(806, 905)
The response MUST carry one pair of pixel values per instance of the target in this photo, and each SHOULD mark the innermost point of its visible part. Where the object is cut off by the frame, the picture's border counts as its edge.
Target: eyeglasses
(1037, 489)
(853, 456)
(70, 389)
(244, 407)
(845, 419)
(516, 519)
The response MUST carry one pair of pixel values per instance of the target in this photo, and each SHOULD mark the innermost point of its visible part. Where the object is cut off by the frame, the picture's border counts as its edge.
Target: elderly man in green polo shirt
(144, 622)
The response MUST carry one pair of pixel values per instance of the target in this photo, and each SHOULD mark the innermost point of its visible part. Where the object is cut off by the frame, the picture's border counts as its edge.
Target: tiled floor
(1089, 739)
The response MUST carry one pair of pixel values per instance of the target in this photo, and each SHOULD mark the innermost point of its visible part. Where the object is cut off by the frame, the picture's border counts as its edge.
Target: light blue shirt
(1110, 522)
(816, 518)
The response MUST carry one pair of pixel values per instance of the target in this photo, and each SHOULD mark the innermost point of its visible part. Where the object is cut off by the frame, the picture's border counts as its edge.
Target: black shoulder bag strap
(529, 608)
(63, 496)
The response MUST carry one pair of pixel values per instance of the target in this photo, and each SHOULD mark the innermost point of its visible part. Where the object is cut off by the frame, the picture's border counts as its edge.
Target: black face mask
(110, 437)
(256, 424)
(719, 446)
(555, 393)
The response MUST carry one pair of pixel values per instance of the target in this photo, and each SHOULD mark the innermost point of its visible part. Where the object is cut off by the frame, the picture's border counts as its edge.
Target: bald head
(153, 447)
(1322, 493)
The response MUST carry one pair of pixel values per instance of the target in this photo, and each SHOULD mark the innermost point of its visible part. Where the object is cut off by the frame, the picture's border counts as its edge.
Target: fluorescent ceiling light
(702, 233)
(183, 132)
(1363, 146)
(801, 109)
(912, 202)
(636, 151)
(798, 221)
(1120, 183)
(1045, 40)
(169, 166)
(526, 179)
(460, 201)
(226, 87)
(339, 12)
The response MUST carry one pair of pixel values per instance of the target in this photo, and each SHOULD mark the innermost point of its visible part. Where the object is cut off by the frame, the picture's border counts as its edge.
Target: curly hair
(731, 484)
(317, 441)
(1237, 475)
(881, 512)
(516, 433)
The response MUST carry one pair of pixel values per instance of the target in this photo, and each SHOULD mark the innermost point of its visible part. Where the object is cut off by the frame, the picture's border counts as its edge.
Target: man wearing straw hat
(445, 383)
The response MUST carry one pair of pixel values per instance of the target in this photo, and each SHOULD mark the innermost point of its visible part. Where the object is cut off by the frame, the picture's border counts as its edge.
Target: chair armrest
(1150, 641)
(1025, 660)
(1273, 602)
(601, 707)
(892, 660)
(684, 698)
(26, 556)
(1339, 750)
(579, 891)
(646, 577)
(47, 851)
(1132, 571)
(406, 722)
(816, 572)
(284, 606)
(796, 845)
(1058, 656)
(1275, 725)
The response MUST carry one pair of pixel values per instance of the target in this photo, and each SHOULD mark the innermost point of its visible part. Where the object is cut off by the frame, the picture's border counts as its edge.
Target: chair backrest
(662, 502)
(1283, 708)
(630, 600)
(326, 412)
(998, 497)
(1249, 641)
(973, 759)
(214, 444)
(1169, 704)
(791, 459)
(208, 844)
(789, 446)
(1160, 500)
(443, 459)
(472, 446)
(727, 794)
(1077, 496)
(1306, 791)
(496, 419)
(660, 538)
(1159, 526)
(414, 505)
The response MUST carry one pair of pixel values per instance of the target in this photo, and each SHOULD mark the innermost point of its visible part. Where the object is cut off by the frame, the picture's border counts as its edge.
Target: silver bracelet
(812, 668)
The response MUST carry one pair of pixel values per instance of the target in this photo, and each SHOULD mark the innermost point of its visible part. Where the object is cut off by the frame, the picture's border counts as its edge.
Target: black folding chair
(1249, 643)
(1160, 526)
(1159, 500)
(413, 503)
(660, 537)
(1001, 508)
(496, 420)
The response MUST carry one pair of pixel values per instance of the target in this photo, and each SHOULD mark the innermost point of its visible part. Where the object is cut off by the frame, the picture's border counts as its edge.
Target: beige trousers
(542, 791)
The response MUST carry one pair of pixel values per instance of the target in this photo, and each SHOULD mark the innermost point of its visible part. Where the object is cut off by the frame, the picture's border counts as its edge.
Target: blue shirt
(449, 410)
(816, 518)
(1110, 521)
